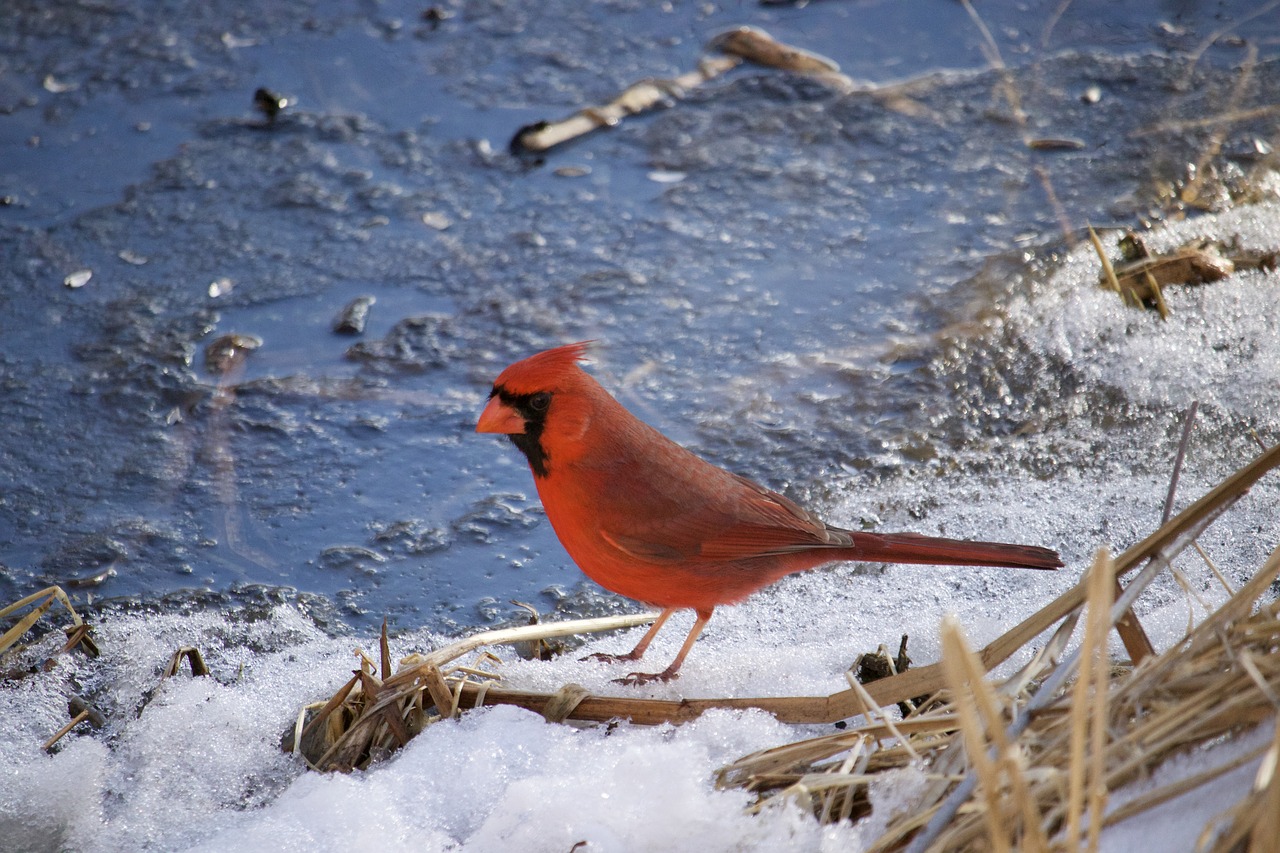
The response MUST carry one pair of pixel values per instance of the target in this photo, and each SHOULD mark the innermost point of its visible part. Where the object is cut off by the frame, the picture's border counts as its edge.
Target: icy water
(796, 281)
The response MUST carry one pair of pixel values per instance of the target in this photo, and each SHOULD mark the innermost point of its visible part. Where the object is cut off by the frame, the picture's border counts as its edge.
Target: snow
(1182, 819)
(1219, 343)
(201, 767)
(196, 764)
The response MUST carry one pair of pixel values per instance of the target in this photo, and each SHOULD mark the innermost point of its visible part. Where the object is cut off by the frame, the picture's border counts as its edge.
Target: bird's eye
(539, 402)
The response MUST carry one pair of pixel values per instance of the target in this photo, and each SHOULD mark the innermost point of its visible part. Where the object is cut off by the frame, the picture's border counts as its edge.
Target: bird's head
(543, 404)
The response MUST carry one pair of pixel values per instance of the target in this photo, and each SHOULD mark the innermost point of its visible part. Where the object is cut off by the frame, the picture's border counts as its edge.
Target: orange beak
(500, 418)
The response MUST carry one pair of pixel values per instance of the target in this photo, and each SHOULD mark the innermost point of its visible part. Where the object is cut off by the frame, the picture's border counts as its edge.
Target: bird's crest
(542, 370)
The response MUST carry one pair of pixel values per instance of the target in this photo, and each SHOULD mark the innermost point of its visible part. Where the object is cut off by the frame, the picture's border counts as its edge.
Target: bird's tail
(936, 551)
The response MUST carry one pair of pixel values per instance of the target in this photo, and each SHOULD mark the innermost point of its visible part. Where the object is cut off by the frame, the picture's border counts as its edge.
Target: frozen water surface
(800, 306)
(872, 305)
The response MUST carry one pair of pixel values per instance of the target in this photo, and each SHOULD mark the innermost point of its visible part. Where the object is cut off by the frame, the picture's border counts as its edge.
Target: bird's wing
(743, 520)
(768, 523)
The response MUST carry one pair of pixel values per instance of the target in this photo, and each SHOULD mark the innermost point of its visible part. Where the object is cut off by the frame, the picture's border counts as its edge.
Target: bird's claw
(637, 678)
(605, 657)
(633, 678)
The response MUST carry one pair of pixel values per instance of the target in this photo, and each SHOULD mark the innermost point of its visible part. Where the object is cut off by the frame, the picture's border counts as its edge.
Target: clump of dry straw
(1028, 764)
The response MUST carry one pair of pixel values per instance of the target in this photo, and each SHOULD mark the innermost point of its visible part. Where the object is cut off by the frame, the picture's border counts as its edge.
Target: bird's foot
(636, 678)
(608, 658)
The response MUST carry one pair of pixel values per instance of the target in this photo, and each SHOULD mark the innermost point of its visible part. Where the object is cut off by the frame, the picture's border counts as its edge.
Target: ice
(1219, 343)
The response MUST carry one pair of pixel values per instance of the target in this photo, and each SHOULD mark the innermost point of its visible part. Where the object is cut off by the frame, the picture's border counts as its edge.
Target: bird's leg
(638, 651)
(673, 671)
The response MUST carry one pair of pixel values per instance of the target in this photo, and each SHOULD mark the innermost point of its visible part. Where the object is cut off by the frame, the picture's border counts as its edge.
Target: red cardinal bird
(644, 517)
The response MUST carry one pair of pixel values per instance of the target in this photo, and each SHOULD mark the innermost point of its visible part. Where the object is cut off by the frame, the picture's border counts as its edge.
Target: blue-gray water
(789, 279)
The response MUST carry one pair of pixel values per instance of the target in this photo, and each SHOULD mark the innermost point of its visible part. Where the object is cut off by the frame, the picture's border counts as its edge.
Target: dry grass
(1002, 784)
(37, 605)
(377, 710)
(42, 601)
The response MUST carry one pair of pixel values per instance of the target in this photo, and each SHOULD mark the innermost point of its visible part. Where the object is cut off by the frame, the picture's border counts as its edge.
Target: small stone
(78, 279)
(663, 176)
(229, 351)
(437, 220)
(269, 103)
(56, 86)
(351, 319)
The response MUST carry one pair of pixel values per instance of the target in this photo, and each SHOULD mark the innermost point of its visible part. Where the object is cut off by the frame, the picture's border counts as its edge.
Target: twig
(1083, 720)
(982, 765)
(1157, 293)
(743, 44)
(637, 98)
(1107, 269)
